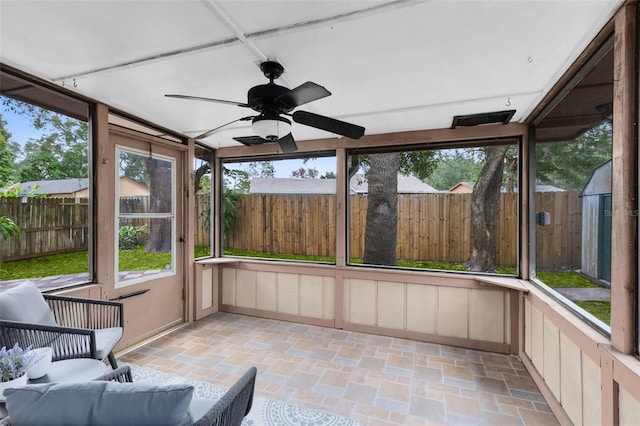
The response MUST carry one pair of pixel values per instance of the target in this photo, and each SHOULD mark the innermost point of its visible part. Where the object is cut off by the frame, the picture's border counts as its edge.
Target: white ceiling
(390, 65)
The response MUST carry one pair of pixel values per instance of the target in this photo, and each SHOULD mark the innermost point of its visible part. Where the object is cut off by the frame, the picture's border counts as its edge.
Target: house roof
(391, 66)
(55, 186)
(358, 185)
(406, 185)
(469, 185)
(548, 188)
(292, 186)
(61, 186)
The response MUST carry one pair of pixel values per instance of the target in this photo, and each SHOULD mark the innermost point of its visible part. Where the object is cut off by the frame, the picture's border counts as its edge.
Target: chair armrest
(66, 342)
(85, 313)
(234, 405)
(121, 374)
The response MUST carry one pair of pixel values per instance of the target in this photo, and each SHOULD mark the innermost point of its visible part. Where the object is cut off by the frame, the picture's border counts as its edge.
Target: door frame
(105, 140)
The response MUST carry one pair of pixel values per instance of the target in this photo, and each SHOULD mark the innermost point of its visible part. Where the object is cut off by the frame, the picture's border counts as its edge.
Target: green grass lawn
(597, 308)
(76, 263)
(565, 279)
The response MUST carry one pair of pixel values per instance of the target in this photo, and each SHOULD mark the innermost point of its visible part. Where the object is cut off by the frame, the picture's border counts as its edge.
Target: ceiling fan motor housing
(261, 98)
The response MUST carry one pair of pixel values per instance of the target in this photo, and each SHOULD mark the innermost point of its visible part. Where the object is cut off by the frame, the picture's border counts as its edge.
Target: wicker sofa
(115, 399)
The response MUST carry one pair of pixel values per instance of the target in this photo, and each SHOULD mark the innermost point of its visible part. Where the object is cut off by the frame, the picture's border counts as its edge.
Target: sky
(20, 128)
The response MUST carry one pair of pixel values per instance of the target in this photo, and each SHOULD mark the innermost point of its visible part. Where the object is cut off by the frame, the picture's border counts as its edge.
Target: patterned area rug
(265, 411)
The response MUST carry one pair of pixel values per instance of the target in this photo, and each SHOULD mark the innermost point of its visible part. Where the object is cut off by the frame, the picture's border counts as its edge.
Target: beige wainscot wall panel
(421, 308)
(527, 328)
(228, 286)
(391, 305)
(592, 392)
(362, 301)
(537, 339)
(571, 379)
(551, 357)
(266, 291)
(207, 288)
(329, 297)
(629, 408)
(311, 296)
(288, 293)
(453, 312)
(487, 315)
(246, 289)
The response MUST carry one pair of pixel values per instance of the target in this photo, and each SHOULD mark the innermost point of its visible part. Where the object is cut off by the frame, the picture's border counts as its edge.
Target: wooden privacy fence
(49, 225)
(55, 225)
(559, 245)
(434, 227)
(296, 224)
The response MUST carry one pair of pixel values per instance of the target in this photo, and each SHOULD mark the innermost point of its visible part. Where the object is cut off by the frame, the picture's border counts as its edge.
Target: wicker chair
(84, 328)
(227, 411)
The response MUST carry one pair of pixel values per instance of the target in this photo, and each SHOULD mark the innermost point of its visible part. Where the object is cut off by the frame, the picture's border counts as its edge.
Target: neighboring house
(292, 186)
(358, 185)
(406, 185)
(467, 188)
(78, 188)
(462, 187)
(548, 188)
(596, 224)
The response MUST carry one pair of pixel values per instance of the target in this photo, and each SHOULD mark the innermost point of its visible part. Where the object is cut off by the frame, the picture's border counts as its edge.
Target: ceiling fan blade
(329, 124)
(198, 98)
(287, 143)
(302, 94)
(250, 140)
(212, 131)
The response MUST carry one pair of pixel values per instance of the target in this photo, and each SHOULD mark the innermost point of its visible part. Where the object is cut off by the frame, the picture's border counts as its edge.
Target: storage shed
(596, 224)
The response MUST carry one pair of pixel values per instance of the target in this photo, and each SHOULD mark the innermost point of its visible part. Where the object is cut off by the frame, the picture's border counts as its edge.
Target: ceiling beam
(436, 136)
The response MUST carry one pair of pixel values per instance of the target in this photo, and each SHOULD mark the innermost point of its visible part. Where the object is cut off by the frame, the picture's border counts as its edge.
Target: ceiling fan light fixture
(271, 127)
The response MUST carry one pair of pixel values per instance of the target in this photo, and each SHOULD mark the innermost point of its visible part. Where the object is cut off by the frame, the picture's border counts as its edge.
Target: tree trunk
(382, 211)
(485, 206)
(159, 202)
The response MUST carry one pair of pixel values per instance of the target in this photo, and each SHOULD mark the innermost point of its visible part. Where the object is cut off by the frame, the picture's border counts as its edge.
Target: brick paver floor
(374, 379)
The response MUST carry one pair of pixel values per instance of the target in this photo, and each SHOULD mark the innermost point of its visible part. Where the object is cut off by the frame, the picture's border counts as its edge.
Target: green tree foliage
(236, 180)
(60, 152)
(8, 227)
(305, 173)
(416, 163)
(134, 166)
(264, 169)
(569, 165)
(8, 152)
(454, 166)
(205, 185)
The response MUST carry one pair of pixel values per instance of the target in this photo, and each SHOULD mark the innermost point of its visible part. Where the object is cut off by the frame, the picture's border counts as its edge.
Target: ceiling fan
(273, 102)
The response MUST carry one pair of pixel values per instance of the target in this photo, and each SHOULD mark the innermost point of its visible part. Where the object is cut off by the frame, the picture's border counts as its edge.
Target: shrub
(8, 227)
(130, 236)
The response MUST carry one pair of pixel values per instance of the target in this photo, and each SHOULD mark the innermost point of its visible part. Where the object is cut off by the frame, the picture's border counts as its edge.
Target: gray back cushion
(25, 303)
(99, 403)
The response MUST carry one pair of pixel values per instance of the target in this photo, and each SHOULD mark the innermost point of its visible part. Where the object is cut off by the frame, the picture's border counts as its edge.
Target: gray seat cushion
(199, 407)
(106, 339)
(99, 403)
(25, 303)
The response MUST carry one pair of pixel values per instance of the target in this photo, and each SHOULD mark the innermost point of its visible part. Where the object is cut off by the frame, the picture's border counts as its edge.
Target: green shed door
(604, 238)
